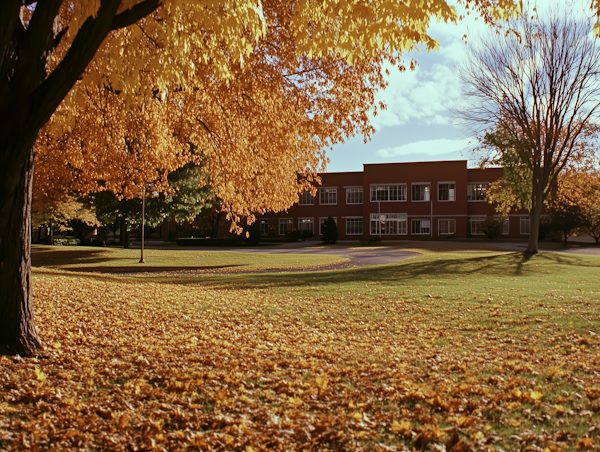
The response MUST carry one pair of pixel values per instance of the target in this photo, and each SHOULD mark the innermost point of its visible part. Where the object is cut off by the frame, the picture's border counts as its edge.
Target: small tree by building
(491, 228)
(565, 216)
(330, 231)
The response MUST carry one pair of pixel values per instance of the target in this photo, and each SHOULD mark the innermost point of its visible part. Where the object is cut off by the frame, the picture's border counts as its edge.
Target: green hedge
(198, 241)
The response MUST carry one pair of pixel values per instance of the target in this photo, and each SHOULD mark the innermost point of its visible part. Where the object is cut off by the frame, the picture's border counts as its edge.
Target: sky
(418, 124)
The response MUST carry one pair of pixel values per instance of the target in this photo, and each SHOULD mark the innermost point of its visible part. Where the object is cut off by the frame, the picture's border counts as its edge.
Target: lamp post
(142, 261)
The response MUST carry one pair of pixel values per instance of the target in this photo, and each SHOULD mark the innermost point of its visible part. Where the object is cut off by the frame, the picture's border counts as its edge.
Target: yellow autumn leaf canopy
(255, 90)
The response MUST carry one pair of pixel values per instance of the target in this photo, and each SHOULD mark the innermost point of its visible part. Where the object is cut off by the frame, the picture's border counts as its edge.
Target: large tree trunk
(534, 226)
(17, 328)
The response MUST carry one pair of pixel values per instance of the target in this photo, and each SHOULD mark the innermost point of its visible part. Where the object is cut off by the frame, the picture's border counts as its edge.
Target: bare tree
(538, 82)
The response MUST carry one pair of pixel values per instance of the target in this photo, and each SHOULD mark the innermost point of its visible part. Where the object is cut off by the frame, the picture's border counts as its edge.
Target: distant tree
(186, 197)
(581, 188)
(540, 86)
(566, 213)
(61, 214)
(513, 189)
(330, 231)
(491, 228)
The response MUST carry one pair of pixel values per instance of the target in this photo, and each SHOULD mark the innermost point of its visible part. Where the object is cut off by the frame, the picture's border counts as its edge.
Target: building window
(388, 224)
(306, 198)
(476, 192)
(396, 192)
(285, 225)
(306, 224)
(420, 192)
(504, 221)
(354, 226)
(446, 192)
(354, 195)
(328, 195)
(475, 224)
(446, 227)
(264, 227)
(420, 227)
(322, 222)
(524, 225)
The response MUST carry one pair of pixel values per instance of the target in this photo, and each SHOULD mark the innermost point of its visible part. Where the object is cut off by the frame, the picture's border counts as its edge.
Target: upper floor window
(328, 195)
(306, 198)
(476, 192)
(396, 192)
(354, 195)
(446, 191)
(420, 192)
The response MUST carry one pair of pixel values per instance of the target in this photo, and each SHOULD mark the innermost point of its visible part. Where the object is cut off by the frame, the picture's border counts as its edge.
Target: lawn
(119, 260)
(456, 350)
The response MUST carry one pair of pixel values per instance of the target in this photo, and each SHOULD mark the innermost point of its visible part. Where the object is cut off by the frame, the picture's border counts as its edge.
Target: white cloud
(429, 150)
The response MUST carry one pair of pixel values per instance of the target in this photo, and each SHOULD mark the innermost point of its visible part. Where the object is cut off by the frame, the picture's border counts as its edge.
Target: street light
(142, 261)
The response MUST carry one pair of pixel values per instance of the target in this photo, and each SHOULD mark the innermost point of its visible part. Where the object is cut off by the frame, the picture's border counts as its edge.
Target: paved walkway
(357, 256)
(364, 256)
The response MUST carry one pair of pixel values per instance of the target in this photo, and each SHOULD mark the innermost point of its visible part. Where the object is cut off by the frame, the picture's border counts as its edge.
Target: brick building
(400, 201)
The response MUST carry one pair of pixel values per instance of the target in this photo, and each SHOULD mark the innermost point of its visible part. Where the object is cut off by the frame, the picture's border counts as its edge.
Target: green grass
(118, 260)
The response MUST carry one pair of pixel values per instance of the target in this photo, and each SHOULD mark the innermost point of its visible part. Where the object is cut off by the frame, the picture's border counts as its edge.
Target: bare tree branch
(540, 85)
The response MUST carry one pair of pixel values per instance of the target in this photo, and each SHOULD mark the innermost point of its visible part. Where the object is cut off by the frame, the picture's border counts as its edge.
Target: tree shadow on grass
(52, 256)
(425, 269)
(147, 269)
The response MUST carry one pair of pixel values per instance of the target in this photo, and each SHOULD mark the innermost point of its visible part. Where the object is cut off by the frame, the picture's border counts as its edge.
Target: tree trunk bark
(534, 226)
(17, 328)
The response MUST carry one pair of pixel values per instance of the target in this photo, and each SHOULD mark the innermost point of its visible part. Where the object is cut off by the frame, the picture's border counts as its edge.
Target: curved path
(357, 256)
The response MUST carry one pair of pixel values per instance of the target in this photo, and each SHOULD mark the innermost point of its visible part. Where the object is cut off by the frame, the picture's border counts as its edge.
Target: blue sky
(418, 125)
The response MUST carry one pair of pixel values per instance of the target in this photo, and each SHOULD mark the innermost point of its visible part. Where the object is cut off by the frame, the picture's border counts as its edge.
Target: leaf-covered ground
(450, 351)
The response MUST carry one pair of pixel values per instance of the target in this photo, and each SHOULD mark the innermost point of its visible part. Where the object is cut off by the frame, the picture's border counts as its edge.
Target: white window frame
(304, 221)
(483, 188)
(327, 191)
(355, 191)
(394, 224)
(450, 198)
(350, 220)
(385, 188)
(289, 221)
(264, 221)
(473, 220)
(524, 223)
(305, 196)
(427, 192)
(421, 227)
(449, 221)
(321, 221)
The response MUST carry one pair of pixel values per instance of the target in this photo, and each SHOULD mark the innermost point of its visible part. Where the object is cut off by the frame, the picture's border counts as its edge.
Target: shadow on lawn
(51, 256)
(505, 264)
(146, 268)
